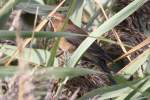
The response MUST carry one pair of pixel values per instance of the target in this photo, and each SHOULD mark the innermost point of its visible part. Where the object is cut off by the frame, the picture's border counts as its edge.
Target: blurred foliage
(88, 15)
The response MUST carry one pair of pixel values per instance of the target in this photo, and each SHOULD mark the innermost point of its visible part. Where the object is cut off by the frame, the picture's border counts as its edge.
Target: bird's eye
(50, 18)
(53, 18)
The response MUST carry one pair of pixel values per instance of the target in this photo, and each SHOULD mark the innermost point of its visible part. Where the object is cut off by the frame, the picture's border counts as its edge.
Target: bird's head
(57, 21)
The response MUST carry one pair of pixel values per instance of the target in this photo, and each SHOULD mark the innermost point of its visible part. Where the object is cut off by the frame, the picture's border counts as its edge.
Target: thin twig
(113, 30)
(61, 85)
(142, 44)
(37, 29)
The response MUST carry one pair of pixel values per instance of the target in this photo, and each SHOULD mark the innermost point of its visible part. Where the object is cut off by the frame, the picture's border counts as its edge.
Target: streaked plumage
(94, 54)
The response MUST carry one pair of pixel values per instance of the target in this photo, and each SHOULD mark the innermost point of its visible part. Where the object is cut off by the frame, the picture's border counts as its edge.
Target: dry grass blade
(21, 63)
(113, 30)
(37, 29)
(105, 27)
(16, 52)
(134, 65)
(74, 96)
(142, 44)
(42, 24)
(16, 26)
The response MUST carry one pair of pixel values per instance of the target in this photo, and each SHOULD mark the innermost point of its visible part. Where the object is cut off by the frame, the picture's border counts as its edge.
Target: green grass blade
(106, 26)
(114, 91)
(5, 10)
(56, 44)
(5, 34)
(76, 17)
(43, 9)
(7, 71)
(40, 1)
(137, 89)
(132, 67)
(36, 56)
(57, 72)
(63, 72)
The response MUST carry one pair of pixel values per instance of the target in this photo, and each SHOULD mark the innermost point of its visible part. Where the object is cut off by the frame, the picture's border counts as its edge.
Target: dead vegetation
(41, 81)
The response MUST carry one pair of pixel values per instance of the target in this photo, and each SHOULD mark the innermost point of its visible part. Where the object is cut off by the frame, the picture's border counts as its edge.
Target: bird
(94, 54)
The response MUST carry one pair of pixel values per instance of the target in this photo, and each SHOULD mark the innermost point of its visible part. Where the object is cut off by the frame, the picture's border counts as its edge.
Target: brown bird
(94, 54)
